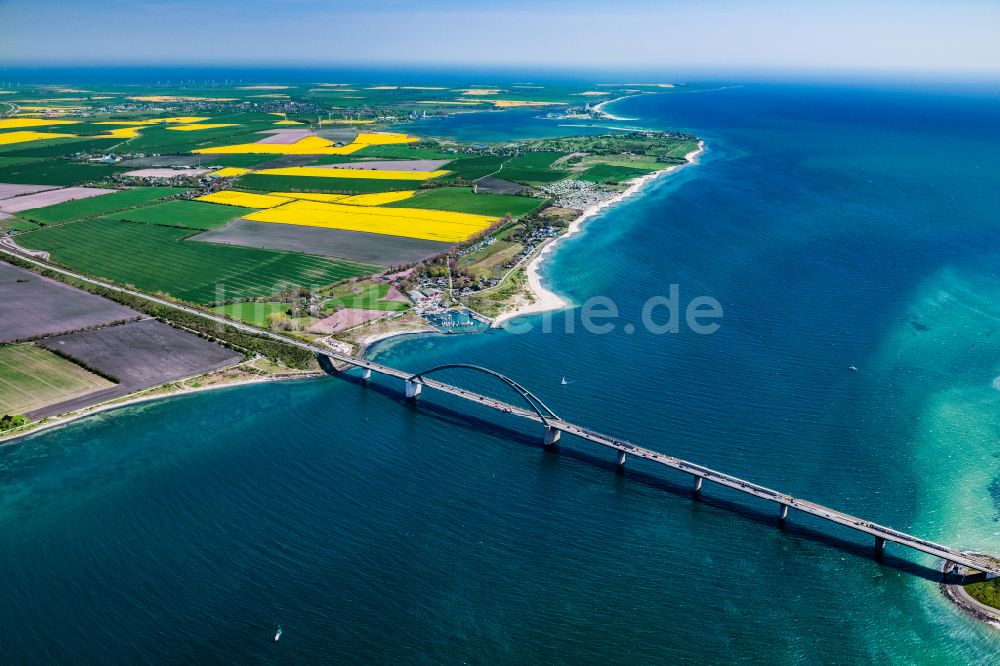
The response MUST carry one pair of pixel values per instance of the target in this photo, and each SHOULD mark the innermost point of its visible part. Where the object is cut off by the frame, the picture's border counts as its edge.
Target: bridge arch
(536, 405)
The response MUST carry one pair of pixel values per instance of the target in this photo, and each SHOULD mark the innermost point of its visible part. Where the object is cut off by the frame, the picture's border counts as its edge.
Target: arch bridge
(534, 403)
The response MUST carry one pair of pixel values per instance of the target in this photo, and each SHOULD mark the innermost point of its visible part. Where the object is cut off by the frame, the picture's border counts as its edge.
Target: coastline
(543, 300)
(546, 300)
(148, 395)
(599, 107)
(956, 594)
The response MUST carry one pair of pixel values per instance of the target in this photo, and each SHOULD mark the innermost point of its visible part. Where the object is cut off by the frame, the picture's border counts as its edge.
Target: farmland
(56, 172)
(354, 245)
(157, 353)
(243, 199)
(609, 173)
(32, 306)
(32, 378)
(472, 168)
(251, 312)
(181, 213)
(94, 206)
(462, 199)
(158, 259)
(265, 183)
(532, 168)
(363, 295)
(409, 222)
(325, 172)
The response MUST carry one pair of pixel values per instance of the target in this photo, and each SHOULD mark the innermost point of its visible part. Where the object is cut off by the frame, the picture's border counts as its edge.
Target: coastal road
(880, 533)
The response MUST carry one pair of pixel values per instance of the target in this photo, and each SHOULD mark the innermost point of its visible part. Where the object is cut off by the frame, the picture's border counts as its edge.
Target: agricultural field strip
(63, 213)
(375, 174)
(8, 369)
(313, 145)
(436, 225)
(24, 368)
(157, 258)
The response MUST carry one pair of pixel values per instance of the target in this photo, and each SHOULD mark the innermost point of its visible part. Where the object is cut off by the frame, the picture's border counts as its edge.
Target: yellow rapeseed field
(11, 123)
(435, 225)
(288, 122)
(229, 172)
(378, 198)
(307, 196)
(312, 145)
(345, 121)
(29, 135)
(383, 138)
(124, 132)
(375, 174)
(199, 126)
(246, 199)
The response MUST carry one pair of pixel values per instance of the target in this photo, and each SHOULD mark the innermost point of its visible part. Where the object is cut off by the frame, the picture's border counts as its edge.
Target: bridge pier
(413, 389)
(366, 374)
(696, 484)
(879, 546)
(552, 435)
(782, 512)
(621, 458)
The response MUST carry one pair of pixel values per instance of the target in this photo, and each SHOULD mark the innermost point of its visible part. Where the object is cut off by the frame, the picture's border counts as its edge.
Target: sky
(873, 36)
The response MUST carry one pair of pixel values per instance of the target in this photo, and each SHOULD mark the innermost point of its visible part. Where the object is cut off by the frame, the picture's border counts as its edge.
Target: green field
(251, 312)
(404, 152)
(158, 259)
(16, 161)
(32, 377)
(158, 139)
(99, 205)
(17, 224)
(55, 172)
(266, 183)
(237, 160)
(987, 592)
(363, 295)
(57, 147)
(462, 200)
(532, 169)
(197, 215)
(608, 173)
(474, 168)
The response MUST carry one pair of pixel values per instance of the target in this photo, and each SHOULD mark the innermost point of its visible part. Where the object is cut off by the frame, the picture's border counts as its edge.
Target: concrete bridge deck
(555, 426)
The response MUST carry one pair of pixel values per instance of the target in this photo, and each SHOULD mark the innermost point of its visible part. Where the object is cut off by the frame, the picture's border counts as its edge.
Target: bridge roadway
(555, 426)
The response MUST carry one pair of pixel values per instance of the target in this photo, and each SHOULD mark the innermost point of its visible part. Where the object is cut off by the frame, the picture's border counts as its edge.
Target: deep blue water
(836, 227)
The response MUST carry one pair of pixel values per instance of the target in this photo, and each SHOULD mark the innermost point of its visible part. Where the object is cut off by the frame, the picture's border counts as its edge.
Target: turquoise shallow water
(836, 227)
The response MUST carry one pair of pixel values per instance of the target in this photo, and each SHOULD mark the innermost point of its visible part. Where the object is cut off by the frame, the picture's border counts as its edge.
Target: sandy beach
(546, 300)
(610, 116)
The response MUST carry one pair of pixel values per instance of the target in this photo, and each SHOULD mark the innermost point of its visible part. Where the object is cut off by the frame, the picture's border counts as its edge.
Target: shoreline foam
(547, 300)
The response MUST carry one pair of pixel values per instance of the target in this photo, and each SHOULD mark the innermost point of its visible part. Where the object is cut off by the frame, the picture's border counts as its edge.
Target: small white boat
(277, 634)
(564, 382)
(853, 369)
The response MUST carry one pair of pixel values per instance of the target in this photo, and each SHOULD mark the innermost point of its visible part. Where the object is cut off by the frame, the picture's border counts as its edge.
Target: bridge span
(554, 427)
